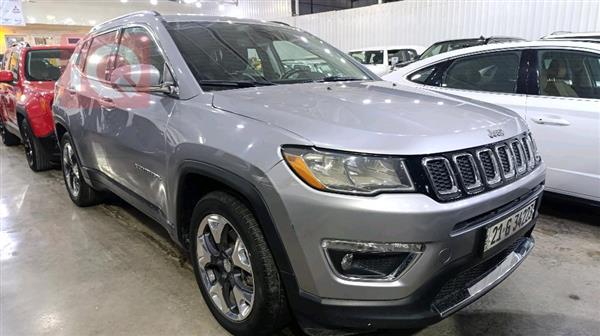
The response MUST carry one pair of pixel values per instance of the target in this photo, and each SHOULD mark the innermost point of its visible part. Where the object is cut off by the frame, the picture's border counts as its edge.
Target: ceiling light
(124, 1)
(154, 2)
(221, 7)
(199, 4)
(92, 22)
(189, 1)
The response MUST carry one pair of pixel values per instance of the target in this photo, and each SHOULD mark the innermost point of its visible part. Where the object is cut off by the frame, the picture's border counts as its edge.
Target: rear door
(563, 113)
(133, 135)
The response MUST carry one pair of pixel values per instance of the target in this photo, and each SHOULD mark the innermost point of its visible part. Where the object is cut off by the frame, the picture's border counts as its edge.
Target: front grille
(471, 171)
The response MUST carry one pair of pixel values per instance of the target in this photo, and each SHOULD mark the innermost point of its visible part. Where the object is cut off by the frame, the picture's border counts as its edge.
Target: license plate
(498, 232)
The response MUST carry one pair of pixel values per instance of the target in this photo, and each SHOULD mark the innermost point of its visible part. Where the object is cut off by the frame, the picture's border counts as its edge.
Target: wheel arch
(196, 179)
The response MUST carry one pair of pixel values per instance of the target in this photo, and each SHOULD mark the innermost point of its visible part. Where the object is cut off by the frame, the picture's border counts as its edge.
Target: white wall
(423, 22)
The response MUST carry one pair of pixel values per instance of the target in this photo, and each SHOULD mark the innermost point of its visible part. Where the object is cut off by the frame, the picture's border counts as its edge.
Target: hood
(373, 117)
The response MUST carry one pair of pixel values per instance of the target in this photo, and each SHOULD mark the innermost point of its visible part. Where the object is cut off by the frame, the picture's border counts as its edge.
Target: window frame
(171, 75)
(533, 84)
(523, 73)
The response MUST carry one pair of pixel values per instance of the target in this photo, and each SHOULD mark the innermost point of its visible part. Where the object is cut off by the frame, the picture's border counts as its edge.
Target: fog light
(370, 261)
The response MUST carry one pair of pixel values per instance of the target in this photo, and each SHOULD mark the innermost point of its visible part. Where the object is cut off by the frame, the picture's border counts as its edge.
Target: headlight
(348, 173)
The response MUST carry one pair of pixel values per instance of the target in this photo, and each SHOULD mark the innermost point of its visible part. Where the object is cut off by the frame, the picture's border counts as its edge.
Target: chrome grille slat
(520, 160)
(471, 171)
(506, 158)
(489, 165)
(468, 172)
(442, 177)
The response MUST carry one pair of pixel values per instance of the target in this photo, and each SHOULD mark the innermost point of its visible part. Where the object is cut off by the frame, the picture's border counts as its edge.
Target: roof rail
(144, 12)
(282, 23)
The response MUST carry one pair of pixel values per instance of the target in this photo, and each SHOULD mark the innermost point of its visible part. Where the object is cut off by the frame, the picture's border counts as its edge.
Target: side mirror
(139, 78)
(6, 76)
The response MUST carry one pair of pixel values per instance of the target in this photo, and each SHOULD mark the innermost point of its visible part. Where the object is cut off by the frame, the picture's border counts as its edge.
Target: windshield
(222, 55)
(442, 47)
(46, 65)
(370, 57)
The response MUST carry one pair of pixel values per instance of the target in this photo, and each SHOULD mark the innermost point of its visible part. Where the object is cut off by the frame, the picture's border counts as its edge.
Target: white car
(554, 85)
(380, 60)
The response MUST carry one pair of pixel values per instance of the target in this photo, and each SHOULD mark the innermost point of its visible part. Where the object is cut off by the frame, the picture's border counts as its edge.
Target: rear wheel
(234, 267)
(8, 138)
(80, 192)
(37, 157)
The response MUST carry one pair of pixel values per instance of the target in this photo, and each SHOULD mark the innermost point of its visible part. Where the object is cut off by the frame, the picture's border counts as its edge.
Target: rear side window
(138, 48)
(97, 64)
(13, 64)
(82, 54)
(493, 72)
(427, 75)
(46, 65)
(566, 73)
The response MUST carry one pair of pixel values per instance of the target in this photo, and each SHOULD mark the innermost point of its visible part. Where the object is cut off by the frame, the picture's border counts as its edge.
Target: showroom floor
(109, 270)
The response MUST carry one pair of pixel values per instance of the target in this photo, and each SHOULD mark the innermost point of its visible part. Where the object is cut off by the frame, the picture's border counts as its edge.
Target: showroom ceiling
(91, 12)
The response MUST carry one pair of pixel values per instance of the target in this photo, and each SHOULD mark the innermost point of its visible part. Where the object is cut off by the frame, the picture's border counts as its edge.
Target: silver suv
(300, 183)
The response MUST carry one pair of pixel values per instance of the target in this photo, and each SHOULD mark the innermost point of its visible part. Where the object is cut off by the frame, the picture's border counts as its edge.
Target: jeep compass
(301, 185)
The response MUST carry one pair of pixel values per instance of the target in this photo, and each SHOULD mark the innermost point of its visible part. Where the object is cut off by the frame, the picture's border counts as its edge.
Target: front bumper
(453, 289)
(451, 232)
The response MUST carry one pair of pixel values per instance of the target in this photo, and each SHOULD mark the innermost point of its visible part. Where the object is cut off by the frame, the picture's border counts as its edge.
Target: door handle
(71, 90)
(106, 103)
(550, 120)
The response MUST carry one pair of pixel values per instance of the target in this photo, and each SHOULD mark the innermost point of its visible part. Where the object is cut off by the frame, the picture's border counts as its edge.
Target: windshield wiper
(237, 84)
(340, 79)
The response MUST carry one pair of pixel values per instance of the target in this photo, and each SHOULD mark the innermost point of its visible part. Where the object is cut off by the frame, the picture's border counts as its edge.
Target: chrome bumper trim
(495, 276)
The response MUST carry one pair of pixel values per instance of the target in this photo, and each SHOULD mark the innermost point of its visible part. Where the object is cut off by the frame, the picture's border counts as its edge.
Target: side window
(83, 54)
(97, 62)
(426, 76)
(13, 64)
(569, 74)
(493, 72)
(138, 48)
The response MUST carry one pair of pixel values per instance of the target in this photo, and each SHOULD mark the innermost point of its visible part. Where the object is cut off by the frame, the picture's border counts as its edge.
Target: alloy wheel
(225, 268)
(71, 170)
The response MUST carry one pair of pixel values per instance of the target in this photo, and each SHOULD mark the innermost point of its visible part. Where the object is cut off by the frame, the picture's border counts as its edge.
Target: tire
(8, 138)
(82, 194)
(37, 157)
(253, 273)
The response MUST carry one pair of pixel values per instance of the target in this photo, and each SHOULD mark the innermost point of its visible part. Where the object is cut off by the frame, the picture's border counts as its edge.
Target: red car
(27, 78)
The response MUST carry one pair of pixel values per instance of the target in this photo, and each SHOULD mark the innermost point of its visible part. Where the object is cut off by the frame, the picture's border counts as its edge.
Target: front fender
(38, 111)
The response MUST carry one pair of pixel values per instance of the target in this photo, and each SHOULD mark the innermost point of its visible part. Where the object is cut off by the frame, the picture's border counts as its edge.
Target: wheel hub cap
(225, 268)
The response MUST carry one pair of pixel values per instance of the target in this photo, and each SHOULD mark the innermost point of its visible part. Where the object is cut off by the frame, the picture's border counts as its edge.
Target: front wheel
(234, 267)
(81, 193)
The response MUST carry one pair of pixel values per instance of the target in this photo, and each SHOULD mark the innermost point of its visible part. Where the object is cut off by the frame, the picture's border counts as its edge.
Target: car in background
(381, 60)
(352, 202)
(587, 36)
(27, 78)
(449, 45)
(554, 85)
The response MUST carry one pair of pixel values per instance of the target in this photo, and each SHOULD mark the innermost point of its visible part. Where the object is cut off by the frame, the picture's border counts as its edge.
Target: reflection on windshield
(224, 55)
